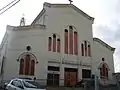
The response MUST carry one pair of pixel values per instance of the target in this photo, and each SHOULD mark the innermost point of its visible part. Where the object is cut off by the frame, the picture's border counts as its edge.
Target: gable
(104, 44)
(48, 5)
(39, 16)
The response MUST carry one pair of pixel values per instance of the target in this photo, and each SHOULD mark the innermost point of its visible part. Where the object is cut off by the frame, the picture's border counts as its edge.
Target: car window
(32, 84)
(17, 83)
(14, 82)
(28, 85)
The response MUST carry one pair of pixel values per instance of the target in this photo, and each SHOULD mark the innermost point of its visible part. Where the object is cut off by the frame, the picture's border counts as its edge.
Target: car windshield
(32, 84)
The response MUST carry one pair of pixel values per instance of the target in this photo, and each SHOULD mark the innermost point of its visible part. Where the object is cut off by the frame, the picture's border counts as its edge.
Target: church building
(58, 48)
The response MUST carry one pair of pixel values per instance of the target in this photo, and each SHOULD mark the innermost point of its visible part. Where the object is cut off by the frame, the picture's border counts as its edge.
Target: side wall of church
(99, 52)
(17, 42)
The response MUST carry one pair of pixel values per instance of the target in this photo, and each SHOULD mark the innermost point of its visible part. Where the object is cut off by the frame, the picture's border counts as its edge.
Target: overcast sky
(106, 13)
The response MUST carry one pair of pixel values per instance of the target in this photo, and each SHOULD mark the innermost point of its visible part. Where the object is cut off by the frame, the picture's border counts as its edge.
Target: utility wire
(8, 7)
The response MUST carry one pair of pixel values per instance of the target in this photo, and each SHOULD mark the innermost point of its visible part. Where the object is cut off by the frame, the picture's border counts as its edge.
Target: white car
(23, 84)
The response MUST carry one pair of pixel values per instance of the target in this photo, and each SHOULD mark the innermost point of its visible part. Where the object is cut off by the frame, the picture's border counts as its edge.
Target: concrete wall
(99, 52)
(17, 42)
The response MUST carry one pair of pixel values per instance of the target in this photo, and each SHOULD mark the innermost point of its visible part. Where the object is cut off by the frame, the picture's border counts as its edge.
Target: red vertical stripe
(103, 67)
(106, 72)
(89, 52)
(49, 44)
(32, 67)
(85, 48)
(58, 45)
(82, 48)
(100, 72)
(75, 43)
(70, 41)
(27, 64)
(54, 43)
(21, 71)
(66, 41)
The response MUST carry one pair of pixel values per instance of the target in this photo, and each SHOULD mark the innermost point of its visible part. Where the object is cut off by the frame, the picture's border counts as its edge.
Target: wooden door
(73, 78)
(67, 79)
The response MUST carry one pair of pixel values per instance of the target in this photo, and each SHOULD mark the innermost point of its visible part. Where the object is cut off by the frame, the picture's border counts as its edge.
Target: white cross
(70, 1)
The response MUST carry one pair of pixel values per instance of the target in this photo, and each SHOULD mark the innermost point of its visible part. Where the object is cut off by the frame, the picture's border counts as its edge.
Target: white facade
(53, 19)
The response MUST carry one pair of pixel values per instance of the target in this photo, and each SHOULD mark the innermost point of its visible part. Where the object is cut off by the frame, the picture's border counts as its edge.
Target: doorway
(53, 76)
(70, 76)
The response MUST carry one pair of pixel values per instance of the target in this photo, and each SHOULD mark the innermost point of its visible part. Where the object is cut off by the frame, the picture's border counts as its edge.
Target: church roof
(62, 5)
(104, 44)
(28, 27)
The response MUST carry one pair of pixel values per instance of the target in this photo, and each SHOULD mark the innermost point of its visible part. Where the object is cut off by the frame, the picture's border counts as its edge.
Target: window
(49, 44)
(58, 45)
(82, 48)
(85, 48)
(86, 73)
(75, 43)
(54, 43)
(32, 67)
(104, 71)
(66, 41)
(53, 68)
(21, 71)
(27, 65)
(71, 41)
(17, 83)
(89, 51)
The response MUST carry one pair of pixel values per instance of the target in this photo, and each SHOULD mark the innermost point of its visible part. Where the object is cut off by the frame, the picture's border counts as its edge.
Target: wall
(17, 42)
(99, 52)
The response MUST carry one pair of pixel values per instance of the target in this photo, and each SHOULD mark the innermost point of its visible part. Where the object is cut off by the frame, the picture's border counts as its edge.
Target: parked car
(24, 84)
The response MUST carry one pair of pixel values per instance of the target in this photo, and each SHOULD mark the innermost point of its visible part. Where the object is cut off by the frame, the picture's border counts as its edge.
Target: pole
(95, 82)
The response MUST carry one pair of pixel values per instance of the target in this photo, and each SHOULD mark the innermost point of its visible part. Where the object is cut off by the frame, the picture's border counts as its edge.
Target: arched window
(85, 42)
(82, 48)
(89, 51)
(49, 44)
(21, 71)
(104, 71)
(66, 41)
(85, 48)
(58, 45)
(71, 40)
(54, 43)
(75, 43)
(32, 67)
(27, 64)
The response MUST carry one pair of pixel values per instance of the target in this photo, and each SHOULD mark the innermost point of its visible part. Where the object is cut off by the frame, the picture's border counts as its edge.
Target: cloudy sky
(106, 13)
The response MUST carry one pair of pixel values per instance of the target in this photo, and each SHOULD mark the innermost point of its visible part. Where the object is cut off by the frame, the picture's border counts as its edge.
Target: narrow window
(58, 45)
(49, 44)
(21, 71)
(89, 52)
(85, 48)
(66, 41)
(32, 67)
(104, 72)
(82, 48)
(75, 43)
(27, 64)
(70, 40)
(54, 43)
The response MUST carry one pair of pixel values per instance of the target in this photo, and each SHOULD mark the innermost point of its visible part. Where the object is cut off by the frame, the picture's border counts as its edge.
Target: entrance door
(70, 77)
(53, 79)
